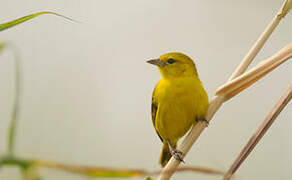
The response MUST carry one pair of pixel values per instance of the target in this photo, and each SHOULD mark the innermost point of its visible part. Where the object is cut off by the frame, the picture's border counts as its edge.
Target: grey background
(87, 89)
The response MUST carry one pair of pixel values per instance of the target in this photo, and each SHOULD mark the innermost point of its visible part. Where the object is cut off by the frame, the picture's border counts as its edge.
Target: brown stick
(259, 133)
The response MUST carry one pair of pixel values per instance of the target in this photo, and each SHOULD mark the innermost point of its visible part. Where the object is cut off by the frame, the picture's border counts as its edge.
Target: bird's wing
(154, 108)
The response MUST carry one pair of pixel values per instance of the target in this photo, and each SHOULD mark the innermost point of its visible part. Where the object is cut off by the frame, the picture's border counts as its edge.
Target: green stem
(12, 161)
(15, 107)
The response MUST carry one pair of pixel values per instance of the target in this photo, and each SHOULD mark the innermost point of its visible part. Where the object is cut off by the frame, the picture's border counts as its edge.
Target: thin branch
(240, 83)
(116, 172)
(259, 133)
(93, 171)
(286, 7)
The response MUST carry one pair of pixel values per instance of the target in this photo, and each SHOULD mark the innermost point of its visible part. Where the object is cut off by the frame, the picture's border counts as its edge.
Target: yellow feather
(179, 99)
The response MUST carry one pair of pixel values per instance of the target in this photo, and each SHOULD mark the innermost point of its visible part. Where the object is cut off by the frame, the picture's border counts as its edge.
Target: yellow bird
(179, 101)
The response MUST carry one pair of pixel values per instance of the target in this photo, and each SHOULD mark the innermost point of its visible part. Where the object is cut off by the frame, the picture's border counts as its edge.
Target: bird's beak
(157, 62)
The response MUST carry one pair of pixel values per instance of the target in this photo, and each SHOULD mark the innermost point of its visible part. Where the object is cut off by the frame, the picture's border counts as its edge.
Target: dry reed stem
(245, 80)
(259, 133)
(286, 7)
(217, 100)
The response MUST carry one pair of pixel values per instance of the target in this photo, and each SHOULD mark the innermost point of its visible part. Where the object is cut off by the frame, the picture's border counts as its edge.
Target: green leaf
(26, 18)
(149, 178)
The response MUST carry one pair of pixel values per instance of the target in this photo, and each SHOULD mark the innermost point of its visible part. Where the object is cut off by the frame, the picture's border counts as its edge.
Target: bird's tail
(165, 154)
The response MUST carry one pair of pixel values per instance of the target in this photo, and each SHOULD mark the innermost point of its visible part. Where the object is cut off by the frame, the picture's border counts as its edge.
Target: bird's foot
(177, 154)
(206, 121)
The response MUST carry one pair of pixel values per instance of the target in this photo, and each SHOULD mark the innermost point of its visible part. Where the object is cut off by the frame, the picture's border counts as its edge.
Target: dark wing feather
(154, 107)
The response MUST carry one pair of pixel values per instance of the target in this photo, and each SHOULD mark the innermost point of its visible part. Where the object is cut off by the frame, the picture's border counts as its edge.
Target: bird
(179, 101)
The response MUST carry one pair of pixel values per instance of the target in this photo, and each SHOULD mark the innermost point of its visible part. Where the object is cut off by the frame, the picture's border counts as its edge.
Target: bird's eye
(170, 61)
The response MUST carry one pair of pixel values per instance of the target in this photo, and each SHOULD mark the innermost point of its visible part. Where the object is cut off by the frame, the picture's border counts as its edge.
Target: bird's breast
(180, 102)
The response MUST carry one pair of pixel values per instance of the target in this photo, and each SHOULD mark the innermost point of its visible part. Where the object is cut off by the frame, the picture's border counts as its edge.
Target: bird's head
(172, 65)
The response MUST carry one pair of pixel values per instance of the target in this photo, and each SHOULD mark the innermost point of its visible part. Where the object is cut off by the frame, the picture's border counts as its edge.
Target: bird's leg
(177, 154)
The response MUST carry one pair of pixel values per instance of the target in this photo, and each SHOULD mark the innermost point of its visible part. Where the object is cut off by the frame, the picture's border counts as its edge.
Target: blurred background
(86, 91)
